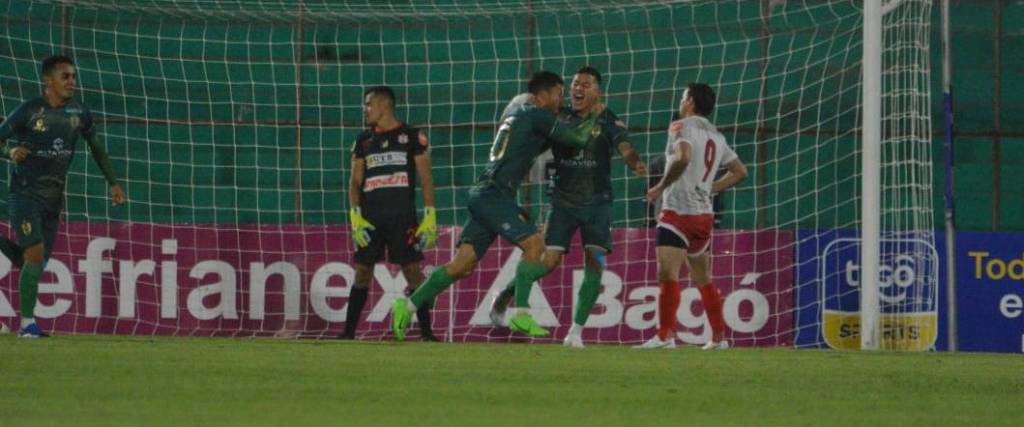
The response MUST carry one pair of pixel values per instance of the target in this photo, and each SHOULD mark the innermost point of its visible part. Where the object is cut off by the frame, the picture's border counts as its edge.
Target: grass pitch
(105, 380)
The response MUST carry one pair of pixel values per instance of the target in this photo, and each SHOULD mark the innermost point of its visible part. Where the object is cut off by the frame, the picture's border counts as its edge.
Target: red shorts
(695, 230)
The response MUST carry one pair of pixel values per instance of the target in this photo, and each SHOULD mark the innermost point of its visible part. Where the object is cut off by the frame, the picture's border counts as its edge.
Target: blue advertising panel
(911, 291)
(990, 291)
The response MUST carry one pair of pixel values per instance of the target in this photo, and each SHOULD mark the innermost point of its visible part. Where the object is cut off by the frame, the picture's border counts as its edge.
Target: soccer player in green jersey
(46, 129)
(523, 135)
(582, 198)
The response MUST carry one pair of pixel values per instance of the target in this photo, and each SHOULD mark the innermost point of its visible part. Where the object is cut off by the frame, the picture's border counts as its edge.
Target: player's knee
(667, 275)
(363, 275)
(552, 259)
(595, 259)
(34, 254)
(533, 248)
(413, 274)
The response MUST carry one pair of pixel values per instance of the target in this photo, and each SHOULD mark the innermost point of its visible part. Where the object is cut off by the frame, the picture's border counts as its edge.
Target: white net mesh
(230, 123)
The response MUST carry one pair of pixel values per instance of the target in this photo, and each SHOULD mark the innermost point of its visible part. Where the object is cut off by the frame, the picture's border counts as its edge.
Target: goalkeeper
(47, 129)
(522, 136)
(387, 159)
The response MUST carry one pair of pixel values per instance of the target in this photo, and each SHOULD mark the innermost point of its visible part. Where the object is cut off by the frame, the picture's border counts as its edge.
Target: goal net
(230, 124)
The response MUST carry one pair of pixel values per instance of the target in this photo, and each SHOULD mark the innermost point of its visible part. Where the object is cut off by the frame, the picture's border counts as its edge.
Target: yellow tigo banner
(905, 331)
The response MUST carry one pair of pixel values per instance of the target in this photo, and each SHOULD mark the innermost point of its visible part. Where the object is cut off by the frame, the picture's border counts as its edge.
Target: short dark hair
(586, 69)
(50, 63)
(543, 80)
(703, 98)
(382, 90)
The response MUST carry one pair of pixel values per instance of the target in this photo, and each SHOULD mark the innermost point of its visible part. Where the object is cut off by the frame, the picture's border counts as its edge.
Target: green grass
(105, 380)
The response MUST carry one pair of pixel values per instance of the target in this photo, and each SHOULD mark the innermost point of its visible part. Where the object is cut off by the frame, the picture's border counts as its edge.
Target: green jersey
(583, 176)
(524, 134)
(50, 134)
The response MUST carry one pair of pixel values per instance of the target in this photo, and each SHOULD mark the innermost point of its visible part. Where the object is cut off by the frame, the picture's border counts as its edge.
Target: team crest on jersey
(367, 143)
(403, 139)
(75, 121)
(595, 132)
(26, 228)
(39, 125)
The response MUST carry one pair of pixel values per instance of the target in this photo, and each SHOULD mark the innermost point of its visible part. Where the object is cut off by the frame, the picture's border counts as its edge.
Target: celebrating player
(492, 205)
(47, 129)
(694, 152)
(386, 160)
(582, 198)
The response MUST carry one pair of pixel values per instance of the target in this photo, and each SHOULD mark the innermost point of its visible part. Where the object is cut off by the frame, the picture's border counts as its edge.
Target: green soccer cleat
(401, 318)
(525, 324)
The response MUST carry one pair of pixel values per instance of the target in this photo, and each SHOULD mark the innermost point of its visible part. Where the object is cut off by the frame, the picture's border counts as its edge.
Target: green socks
(28, 288)
(438, 281)
(527, 272)
(589, 290)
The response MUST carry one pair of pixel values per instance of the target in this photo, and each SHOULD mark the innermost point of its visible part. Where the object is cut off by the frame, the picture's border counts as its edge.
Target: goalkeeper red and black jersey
(389, 181)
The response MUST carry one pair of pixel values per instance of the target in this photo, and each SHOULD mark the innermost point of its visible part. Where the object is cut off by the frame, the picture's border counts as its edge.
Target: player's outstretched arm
(736, 173)
(103, 161)
(574, 136)
(676, 166)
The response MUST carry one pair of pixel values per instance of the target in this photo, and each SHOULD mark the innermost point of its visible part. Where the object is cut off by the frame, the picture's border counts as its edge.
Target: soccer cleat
(525, 324)
(499, 305)
(32, 331)
(400, 318)
(656, 342)
(712, 345)
(428, 337)
(573, 341)
(347, 335)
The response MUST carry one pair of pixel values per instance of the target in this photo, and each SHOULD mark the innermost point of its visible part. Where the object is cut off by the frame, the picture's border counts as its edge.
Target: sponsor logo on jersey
(73, 110)
(403, 139)
(399, 179)
(392, 158)
(39, 126)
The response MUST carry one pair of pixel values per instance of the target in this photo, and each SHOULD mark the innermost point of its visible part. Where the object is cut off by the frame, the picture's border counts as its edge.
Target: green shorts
(493, 213)
(33, 222)
(594, 223)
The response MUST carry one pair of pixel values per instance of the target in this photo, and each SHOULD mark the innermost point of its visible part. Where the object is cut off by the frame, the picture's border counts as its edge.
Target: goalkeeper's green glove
(360, 227)
(427, 231)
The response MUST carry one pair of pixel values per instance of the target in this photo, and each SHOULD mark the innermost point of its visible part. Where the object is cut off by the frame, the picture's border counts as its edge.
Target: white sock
(410, 306)
(27, 321)
(575, 329)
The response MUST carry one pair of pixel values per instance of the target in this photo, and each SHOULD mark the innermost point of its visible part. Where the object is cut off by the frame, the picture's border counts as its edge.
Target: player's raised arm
(575, 136)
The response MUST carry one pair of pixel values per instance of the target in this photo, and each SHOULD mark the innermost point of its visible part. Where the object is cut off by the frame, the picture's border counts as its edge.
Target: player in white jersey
(694, 152)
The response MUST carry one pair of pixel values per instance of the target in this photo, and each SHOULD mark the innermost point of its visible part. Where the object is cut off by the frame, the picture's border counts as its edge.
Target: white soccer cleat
(712, 345)
(656, 342)
(499, 305)
(573, 341)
